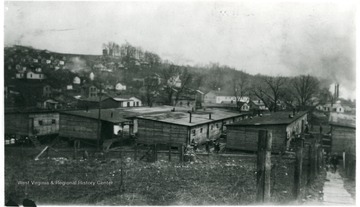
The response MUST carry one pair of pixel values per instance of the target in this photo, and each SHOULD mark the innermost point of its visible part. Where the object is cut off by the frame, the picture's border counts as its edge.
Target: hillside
(130, 66)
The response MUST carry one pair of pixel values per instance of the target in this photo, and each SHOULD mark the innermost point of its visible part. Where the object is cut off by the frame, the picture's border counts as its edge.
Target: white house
(245, 107)
(175, 81)
(48, 61)
(219, 97)
(61, 62)
(120, 87)
(91, 76)
(337, 107)
(124, 102)
(20, 75)
(34, 76)
(136, 102)
(76, 80)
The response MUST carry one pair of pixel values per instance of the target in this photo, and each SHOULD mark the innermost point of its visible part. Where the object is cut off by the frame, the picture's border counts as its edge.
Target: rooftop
(340, 119)
(109, 115)
(197, 117)
(276, 118)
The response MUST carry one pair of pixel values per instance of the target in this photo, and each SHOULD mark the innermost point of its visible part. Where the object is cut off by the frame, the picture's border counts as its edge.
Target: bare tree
(305, 87)
(151, 86)
(271, 92)
(240, 87)
(215, 77)
(168, 86)
(175, 82)
(186, 79)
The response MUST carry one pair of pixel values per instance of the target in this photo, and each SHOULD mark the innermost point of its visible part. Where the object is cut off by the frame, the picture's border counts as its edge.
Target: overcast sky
(275, 38)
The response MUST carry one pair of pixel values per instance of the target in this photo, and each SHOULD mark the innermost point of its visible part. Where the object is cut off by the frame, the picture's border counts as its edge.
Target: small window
(217, 125)
(40, 122)
(53, 121)
(212, 127)
(201, 130)
(193, 132)
(128, 104)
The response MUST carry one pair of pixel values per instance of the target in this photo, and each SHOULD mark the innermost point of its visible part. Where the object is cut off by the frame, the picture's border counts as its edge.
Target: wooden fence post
(298, 168)
(122, 187)
(169, 152)
(316, 159)
(181, 153)
(344, 160)
(135, 151)
(264, 166)
(75, 149)
(155, 152)
(310, 164)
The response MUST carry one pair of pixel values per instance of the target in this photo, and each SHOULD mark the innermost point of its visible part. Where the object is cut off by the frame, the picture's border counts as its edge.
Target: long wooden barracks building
(181, 127)
(243, 135)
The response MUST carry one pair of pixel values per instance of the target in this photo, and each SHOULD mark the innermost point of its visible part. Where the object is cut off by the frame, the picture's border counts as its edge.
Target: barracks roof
(197, 117)
(276, 118)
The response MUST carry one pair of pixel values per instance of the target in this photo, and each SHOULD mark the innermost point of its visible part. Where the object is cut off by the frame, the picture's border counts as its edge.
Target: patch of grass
(213, 180)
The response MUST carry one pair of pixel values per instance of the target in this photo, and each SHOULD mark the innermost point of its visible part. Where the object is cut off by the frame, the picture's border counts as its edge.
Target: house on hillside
(223, 97)
(76, 80)
(31, 75)
(182, 128)
(89, 91)
(285, 126)
(336, 107)
(343, 132)
(47, 91)
(20, 75)
(174, 81)
(258, 106)
(48, 104)
(120, 87)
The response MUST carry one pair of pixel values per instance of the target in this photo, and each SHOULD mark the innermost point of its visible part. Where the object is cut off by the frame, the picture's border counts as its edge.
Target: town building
(219, 97)
(285, 126)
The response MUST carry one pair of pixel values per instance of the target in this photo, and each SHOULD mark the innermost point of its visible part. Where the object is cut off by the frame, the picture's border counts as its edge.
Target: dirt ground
(210, 180)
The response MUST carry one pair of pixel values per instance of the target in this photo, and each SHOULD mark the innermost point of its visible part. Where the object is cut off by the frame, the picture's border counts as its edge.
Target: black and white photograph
(179, 103)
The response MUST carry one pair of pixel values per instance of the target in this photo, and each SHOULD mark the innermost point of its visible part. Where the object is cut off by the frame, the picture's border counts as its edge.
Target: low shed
(243, 135)
(181, 128)
(84, 124)
(32, 123)
(343, 132)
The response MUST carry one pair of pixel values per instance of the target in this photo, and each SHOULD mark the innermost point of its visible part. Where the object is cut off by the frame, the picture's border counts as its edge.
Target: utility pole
(99, 120)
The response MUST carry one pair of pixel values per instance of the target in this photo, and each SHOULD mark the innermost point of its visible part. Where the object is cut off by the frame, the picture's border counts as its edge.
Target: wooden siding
(246, 138)
(26, 124)
(343, 138)
(45, 124)
(17, 124)
(295, 127)
(151, 132)
(78, 127)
